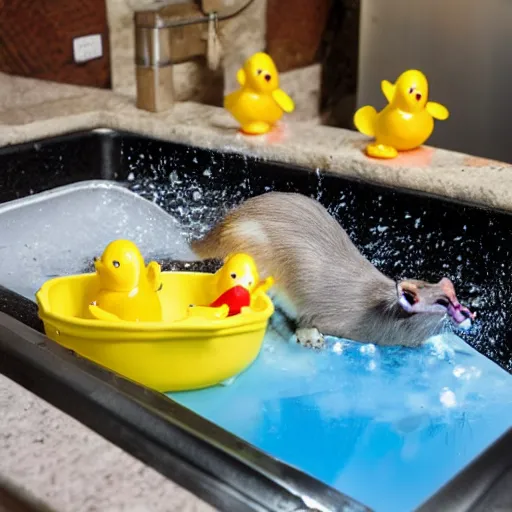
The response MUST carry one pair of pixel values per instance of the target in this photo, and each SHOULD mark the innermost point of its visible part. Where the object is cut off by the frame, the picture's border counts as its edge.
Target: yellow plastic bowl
(171, 355)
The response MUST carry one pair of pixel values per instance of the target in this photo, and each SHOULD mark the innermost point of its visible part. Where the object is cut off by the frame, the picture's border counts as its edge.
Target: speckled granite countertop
(67, 467)
(60, 461)
(64, 109)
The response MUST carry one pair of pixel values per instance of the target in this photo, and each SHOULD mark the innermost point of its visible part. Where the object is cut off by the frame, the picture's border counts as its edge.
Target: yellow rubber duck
(128, 289)
(259, 103)
(235, 284)
(239, 269)
(406, 122)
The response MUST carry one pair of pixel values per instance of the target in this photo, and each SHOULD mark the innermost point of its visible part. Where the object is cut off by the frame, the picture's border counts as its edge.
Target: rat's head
(420, 297)
(411, 91)
(260, 73)
(120, 266)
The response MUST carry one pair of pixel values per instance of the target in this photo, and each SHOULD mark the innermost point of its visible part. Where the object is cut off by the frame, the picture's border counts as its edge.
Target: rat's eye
(116, 264)
(259, 71)
(250, 283)
(411, 90)
(443, 302)
(409, 297)
(233, 276)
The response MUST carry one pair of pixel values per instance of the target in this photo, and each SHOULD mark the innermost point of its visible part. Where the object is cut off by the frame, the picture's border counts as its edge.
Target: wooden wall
(295, 30)
(305, 32)
(36, 40)
(340, 57)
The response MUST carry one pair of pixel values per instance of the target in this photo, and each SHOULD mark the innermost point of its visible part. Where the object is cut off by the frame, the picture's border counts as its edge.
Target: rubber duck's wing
(210, 313)
(265, 285)
(437, 111)
(388, 89)
(101, 314)
(154, 273)
(364, 120)
(283, 100)
(240, 76)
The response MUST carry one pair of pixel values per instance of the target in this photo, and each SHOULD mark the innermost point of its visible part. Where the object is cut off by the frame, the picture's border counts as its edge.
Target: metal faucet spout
(168, 34)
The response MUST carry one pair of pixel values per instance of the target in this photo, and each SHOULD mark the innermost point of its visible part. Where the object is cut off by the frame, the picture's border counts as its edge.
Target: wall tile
(294, 31)
(36, 40)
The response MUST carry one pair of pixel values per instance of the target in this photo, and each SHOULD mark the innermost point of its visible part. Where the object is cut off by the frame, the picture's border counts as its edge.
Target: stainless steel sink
(401, 232)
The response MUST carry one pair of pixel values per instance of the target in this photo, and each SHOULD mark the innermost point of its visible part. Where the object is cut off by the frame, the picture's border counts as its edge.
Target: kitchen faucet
(170, 33)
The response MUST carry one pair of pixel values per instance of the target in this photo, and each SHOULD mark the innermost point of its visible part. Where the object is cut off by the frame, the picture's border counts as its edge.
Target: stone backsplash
(311, 42)
(36, 40)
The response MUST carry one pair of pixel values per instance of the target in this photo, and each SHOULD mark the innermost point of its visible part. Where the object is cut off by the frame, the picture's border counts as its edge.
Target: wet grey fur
(331, 285)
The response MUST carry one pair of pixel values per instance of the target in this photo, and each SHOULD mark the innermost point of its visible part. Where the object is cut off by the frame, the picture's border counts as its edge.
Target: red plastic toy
(236, 298)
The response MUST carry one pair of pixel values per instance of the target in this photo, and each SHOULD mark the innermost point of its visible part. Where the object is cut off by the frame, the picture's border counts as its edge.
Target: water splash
(402, 241)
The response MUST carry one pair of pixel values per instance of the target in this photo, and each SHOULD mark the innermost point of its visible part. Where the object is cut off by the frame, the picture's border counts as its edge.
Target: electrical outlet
(87, 48)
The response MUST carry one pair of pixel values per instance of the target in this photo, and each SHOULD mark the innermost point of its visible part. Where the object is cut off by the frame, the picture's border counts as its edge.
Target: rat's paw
(310, 337)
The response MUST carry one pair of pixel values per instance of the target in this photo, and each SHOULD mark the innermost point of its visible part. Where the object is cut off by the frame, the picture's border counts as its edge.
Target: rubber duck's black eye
(250, 283)
(116, 264)
(411, 90)
(259, 71)
(233, 276)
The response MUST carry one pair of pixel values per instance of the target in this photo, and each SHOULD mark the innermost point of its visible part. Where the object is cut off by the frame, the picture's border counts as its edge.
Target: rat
(322, 281)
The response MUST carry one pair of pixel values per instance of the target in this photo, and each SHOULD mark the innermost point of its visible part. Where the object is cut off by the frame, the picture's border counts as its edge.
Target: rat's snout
(267, 77)
(461, 316)
(468, 314)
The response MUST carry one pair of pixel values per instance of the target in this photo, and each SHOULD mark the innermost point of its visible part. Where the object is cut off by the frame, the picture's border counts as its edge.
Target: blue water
(387, 426)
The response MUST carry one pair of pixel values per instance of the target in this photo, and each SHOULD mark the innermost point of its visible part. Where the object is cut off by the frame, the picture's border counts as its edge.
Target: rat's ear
(240, 76)
(407, 297)
(407, 301)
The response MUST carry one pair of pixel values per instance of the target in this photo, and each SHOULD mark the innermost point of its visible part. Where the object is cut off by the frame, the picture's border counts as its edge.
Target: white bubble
(368, 349)
(459, 371)
(447, 397)
(467, 373)
(338, 347)
(173, 178)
